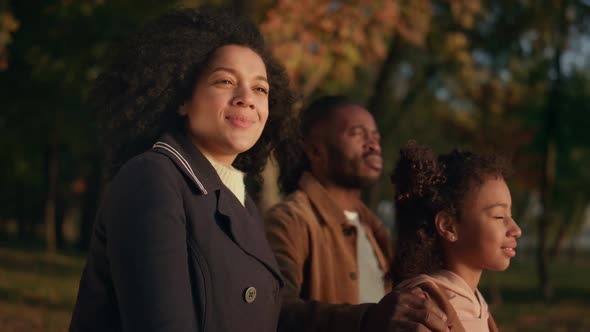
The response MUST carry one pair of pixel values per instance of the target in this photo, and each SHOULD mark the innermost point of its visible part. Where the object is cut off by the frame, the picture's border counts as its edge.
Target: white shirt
(370, 275)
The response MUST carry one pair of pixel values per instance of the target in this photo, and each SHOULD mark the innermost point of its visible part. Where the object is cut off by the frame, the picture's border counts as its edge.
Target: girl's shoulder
(416, 281)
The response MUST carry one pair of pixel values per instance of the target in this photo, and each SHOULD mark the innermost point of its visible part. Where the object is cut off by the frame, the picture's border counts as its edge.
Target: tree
(59, 49)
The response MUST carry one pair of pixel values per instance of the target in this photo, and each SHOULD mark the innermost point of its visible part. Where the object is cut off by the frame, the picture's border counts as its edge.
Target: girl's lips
(510, 251)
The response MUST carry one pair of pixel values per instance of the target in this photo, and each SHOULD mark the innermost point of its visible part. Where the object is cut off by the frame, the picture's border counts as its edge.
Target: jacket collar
(330, 212)
(327, 207)
(190, 161)
(334, 217)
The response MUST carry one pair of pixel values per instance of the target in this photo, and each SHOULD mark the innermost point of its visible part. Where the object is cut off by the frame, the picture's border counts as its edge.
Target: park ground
(38, 291)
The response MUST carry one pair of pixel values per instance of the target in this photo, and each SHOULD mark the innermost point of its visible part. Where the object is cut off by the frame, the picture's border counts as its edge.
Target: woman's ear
(445, 224)
(182, 110)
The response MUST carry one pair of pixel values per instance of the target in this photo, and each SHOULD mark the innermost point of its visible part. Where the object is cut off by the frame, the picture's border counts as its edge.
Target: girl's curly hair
(138, 96)
(427, 184)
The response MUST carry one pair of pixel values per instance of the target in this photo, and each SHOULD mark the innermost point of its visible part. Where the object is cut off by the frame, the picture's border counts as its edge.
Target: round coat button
(250, 295)
(349, 231)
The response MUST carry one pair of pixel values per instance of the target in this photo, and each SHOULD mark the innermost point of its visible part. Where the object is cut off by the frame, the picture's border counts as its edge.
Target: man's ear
(446, 226)
(314, 153)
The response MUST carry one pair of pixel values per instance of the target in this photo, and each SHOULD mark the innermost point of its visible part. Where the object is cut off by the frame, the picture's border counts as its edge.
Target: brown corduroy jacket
(315, 247)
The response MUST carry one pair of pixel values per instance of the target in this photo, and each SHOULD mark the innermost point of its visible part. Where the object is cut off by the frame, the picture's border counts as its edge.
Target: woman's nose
(243, 98)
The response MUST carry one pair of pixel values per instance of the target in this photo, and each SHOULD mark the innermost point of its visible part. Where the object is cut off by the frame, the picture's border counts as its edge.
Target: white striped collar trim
(183, 162)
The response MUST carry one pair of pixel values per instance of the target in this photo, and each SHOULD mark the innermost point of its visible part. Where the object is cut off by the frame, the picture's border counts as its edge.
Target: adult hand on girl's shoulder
(407, 310)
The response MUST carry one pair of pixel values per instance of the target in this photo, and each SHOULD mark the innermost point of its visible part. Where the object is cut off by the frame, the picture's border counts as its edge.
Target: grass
(38, 291)
(523, 307)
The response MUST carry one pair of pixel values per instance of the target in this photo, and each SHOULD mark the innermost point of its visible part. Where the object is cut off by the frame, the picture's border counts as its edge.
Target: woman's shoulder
(146, 168)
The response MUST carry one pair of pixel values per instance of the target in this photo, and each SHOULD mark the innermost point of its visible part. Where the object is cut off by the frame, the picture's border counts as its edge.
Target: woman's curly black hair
(290, 154)
(138, 96)
(427, 184)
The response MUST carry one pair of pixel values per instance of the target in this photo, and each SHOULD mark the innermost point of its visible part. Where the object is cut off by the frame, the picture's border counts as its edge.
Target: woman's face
(486, 233)
(229, 106)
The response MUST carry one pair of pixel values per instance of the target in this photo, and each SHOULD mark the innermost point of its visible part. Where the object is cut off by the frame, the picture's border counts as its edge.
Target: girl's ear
(445, 224)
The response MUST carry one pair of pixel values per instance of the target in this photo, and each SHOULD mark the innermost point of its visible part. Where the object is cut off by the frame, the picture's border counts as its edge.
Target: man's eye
(356, 132)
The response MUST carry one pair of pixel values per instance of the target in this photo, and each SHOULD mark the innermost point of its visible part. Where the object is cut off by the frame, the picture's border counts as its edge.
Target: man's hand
(408, 311)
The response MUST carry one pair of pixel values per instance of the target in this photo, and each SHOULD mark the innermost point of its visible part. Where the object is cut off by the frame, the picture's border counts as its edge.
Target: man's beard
(351, 181)
(344, 172)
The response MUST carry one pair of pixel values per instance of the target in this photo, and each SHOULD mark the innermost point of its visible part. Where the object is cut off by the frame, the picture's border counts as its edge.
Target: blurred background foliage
(508, 75)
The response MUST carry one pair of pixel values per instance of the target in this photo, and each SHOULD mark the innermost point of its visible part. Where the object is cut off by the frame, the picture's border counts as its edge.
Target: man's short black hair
(291, 154)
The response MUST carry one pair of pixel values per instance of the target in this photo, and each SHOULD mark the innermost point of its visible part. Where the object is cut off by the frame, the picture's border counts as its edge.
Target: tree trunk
(550, 153)
(495, 294)
(547, 186)
(90, 205)
(382, 88)
(269, 193)
(60, 212)
(51, 200)
(571, 220)
(375, 106)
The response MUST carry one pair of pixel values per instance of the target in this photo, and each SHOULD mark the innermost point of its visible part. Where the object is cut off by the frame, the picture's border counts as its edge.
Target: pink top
(470, 306)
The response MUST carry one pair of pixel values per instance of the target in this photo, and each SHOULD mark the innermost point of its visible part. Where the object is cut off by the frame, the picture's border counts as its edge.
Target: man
(330, 247)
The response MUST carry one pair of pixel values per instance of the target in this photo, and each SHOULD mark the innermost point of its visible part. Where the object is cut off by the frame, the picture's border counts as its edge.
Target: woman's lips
(240, 121)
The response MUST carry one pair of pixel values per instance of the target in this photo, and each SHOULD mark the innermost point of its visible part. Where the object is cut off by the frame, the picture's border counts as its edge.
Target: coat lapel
(244, 225)
(246, 229)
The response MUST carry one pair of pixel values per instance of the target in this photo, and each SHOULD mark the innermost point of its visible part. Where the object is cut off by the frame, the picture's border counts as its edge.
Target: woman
(193, 103)
(454, 220)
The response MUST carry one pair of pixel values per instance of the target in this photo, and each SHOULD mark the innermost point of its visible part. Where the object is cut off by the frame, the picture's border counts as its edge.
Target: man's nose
(372, 144)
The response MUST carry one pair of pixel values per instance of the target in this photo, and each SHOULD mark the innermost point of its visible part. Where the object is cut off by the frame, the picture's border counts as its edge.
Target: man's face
(352, 148)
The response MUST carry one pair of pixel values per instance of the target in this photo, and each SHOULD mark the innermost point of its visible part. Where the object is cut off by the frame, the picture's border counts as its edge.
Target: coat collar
(191, 162)
(244, 228)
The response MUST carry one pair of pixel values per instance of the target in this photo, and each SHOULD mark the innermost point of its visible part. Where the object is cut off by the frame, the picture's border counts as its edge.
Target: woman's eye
(225, 81)
(498, 217)
(263, 90)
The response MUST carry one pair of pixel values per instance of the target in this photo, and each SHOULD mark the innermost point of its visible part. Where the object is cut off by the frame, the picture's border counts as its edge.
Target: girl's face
(229, 106)
(486, 234)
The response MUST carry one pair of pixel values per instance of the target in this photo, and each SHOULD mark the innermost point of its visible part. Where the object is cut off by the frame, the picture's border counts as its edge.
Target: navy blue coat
(174, 250)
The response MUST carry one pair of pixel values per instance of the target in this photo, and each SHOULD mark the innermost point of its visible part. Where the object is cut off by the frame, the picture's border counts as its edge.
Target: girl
(454, 220)
(192, 104)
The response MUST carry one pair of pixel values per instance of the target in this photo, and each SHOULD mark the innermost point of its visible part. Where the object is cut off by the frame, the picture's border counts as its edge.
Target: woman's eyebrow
(235, 72)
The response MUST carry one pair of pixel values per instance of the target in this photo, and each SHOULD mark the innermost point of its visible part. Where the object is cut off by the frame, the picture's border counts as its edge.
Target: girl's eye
(498, 217)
